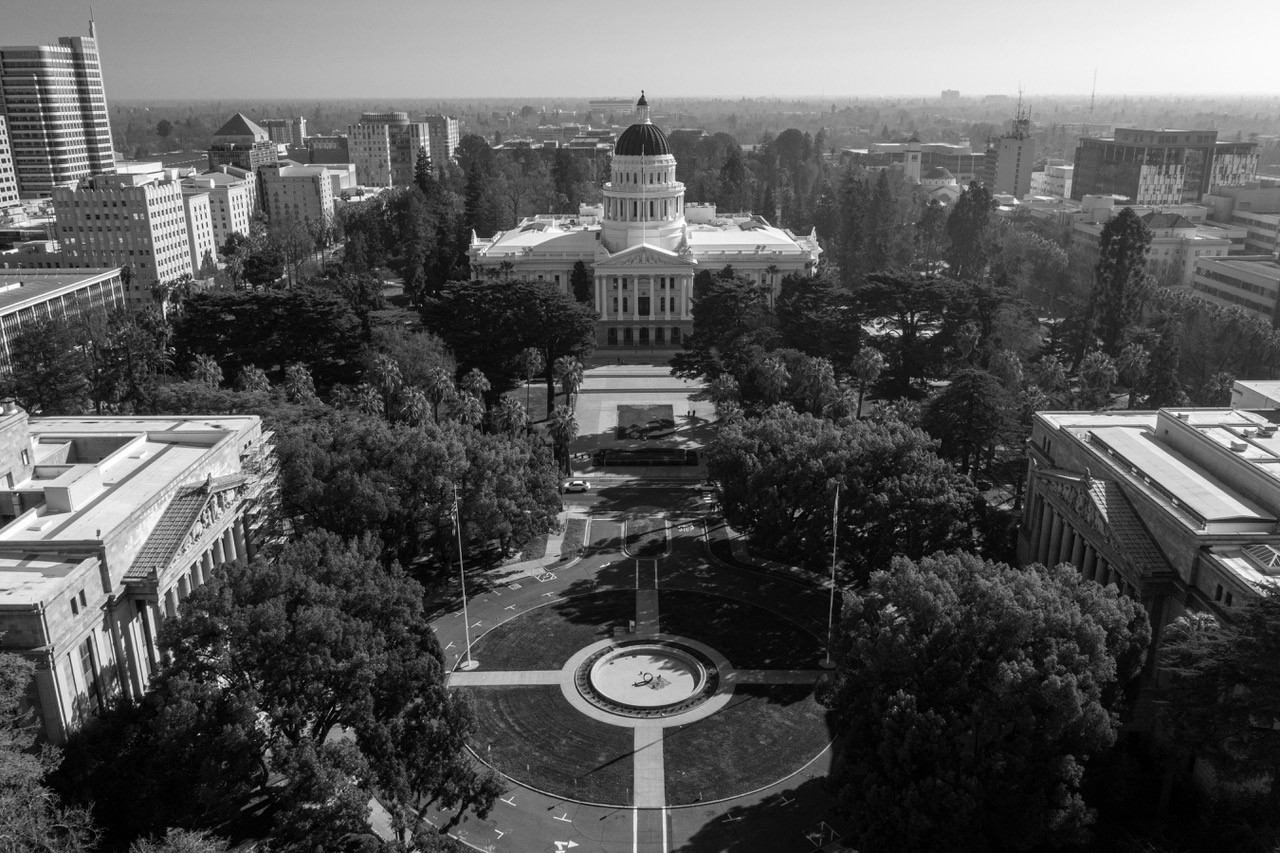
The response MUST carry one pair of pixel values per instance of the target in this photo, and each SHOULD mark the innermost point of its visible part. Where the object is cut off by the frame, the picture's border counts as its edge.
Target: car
(577, 486)
(706, 486)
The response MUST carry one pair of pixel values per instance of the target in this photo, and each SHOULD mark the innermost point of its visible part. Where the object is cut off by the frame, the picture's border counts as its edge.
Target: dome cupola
(642, 139)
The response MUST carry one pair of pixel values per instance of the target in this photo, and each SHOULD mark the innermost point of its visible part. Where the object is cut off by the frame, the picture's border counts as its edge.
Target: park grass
(749, 636)
(535, 549)
(533, 734)
(574, 531)
(765, 733)
(546, 637)
(646, 536)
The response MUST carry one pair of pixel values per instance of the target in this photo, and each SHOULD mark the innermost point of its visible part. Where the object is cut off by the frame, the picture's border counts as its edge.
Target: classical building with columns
(644, 245)
(1177, 508)
(109, 523)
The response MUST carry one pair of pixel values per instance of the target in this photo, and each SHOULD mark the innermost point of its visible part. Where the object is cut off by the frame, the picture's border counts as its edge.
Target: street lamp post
(831, 602)
(470, 663)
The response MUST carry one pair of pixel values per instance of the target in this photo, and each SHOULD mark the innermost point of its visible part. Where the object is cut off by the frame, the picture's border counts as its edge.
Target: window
(658, 334)
(1217, 593)
(1227, 601)
(675, 335)
(624, 305)
(89, 670)
(26, 457)
(75, 606)
(662, 304)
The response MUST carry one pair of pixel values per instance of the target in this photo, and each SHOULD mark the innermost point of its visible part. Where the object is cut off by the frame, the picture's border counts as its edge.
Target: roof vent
(1267, 431)
(1182, 416)
(1238, 446)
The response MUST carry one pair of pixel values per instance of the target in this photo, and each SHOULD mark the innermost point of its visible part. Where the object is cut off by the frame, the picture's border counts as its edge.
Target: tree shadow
(795, 818)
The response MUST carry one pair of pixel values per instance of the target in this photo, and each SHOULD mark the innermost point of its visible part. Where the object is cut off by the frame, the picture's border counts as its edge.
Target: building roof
(1166, 220)
(1265, 267)
(642, 140)
(20, 288)
(938, 173)
(240, 125)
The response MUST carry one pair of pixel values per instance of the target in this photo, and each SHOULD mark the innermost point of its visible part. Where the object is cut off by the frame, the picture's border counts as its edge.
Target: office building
(1054, 181)
(233, 199)
(9, 199)
(135, 220)
(1008, 160)
(1176, 508)
(29, 296)
(56, 107)
(200, 240)
(1176, 242)
(1253, 206)
(109, 523)
(1251, 282)
(444, 135)
(644, 245)
(385, 146)
(286, 131)
(324, 150)
(303, 193)
(243, 144)
(1160, 166)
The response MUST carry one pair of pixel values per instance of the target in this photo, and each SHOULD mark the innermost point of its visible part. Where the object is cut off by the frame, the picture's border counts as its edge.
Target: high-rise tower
(56, 105)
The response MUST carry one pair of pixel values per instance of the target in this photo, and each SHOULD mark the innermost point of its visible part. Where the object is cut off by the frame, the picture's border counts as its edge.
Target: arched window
(615, 305)
(624, 305)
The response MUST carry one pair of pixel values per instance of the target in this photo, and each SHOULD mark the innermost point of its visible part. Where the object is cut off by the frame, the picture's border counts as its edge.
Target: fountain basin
(645, 678)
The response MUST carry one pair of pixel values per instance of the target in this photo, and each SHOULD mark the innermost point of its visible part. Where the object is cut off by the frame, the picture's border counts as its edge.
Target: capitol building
(644, 245)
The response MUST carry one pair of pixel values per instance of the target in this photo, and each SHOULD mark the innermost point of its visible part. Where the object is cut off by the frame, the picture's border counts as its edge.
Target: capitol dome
(642, 139)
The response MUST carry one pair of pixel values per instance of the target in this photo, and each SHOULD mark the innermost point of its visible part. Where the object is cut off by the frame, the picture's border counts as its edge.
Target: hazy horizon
(386, 49)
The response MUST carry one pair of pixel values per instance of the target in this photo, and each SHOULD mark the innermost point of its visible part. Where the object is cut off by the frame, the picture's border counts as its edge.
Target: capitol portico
(644, 245)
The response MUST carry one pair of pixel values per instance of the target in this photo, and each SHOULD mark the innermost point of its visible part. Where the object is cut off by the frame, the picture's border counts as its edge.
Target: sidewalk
(550, 559)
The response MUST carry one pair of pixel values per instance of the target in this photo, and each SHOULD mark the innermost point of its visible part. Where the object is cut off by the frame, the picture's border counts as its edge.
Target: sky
(268, 49)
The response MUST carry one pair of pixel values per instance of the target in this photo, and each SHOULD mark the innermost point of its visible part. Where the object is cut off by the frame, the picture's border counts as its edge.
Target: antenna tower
(1092, 98)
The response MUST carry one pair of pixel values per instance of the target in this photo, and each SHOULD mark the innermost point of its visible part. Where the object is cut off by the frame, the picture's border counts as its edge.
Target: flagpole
(462, 578)
(831, 603)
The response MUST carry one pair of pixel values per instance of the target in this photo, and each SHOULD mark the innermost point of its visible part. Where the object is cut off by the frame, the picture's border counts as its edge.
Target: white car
(706, 486)
(577, 486)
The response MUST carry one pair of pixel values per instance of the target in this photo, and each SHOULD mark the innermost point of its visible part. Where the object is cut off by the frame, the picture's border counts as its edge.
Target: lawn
(574, 531)
(534, 735)
(546, 637)
(749, 636)
(762, 735)
(646, 536)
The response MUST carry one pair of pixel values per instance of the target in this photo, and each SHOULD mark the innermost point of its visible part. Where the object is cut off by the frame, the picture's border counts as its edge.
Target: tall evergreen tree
(968, 227)
(1120, 280)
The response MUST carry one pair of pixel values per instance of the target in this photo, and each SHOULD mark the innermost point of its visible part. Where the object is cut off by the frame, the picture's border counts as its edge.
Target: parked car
(706, 486)
(577, 486)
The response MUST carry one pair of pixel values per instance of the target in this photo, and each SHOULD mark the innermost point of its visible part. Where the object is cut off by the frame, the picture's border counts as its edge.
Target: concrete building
(1176, 508)
(444, 134)
(1253, 206)
(109, 523)
(200, 239)
(323, 150)
(1054, 181)
(243, 144)
(644, 244)
(304, 193)
(385, 146)
(56, 107)
(233, 199)
(1010, 158)
(29, 296)
(134, 220)
(1160, 166)
(1176, 242)
(286, 131)
(9, 199)
(1251, 282)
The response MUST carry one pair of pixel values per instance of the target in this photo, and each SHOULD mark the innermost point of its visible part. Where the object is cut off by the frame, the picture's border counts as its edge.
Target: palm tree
(468, 409)
(772, 377)
(438, 386)
(867, 366)
(508, 416)
(563, 427)
(530, 362)
(414, 406)
(385, 376)
(298, 385)
(475, 383)
(205, 369)
(252, 379)
(569, 370)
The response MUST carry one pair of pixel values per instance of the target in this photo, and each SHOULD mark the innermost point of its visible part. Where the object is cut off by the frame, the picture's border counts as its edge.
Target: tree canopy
(970, 696)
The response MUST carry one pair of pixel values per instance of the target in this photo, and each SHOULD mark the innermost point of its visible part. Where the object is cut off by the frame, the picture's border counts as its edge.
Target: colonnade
(1057, 541)
(672, 302)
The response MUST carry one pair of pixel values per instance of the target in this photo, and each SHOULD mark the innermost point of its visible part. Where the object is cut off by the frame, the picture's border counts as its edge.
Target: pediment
(645, 255)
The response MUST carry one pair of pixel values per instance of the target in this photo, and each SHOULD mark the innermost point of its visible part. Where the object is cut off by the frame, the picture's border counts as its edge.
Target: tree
(32, 817)
(913, 310)
(423, 173)
(563, 428)
(205, 369)
(867, 366)
(778, 475)
(488, 323)
(1223, 691)
(1120, 280)
(729, 313)
(970, 696)
(969, 416)
(163, 128)
(968, 228)
(569, 371)
(509, 416)
(529, 362)
(582, 284)
(47, 369)
(817, 314)
(181, 841)
(1098, 375)
(931, 235)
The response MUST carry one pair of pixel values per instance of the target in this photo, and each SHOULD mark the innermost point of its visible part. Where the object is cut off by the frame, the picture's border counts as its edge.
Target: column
(1090, 566)
(206, 560)
(170, 604)
(686, 294)
(246, 536)
(635, 302)
(1077, 551)
(184, 587)
(1068, 541)
(237, 533)
(229, 546)
(600, 306)
(151, 631)
(219, 556)
(1046, 527)
(1055, 540)
(197, 574)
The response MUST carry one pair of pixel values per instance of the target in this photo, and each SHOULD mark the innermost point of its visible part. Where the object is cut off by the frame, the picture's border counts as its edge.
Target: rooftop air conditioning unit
(1238, 446)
